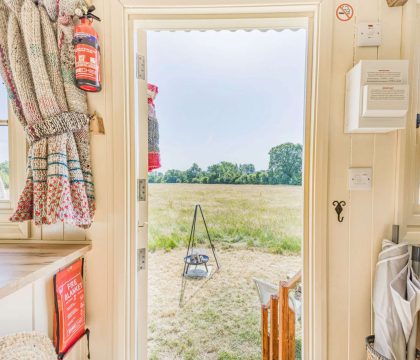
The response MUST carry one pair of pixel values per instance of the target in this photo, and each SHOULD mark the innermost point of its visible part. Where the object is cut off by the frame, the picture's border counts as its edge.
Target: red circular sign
(344, 12)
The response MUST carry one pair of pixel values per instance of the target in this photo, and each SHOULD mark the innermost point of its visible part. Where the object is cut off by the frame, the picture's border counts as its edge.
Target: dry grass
(220, 319)
(262, 216)
(254, 228)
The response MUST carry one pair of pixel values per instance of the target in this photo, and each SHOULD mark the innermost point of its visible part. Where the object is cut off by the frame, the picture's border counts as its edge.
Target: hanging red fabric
(154, 152)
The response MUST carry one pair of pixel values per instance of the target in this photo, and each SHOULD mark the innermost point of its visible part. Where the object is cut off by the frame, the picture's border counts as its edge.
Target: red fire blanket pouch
(69, 300)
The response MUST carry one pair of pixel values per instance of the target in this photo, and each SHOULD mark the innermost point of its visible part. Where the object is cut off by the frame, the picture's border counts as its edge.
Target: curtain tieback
(57, 125)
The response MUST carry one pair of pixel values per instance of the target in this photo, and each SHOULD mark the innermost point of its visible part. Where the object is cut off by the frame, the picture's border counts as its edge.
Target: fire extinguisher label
(86, 62)
(87, 57)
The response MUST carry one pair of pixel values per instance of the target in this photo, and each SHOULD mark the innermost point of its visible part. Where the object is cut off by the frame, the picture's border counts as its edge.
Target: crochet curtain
(37, 66)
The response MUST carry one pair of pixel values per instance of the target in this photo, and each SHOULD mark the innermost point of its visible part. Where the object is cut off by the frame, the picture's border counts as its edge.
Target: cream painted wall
(29, 309)
(352, 245)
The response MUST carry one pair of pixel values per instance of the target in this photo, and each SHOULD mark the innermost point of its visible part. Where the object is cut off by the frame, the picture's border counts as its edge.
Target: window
(4, 146)
(12, 168)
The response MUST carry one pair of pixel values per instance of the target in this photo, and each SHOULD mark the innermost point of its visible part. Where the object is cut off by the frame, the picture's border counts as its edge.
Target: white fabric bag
(390, 340)
(405, 289)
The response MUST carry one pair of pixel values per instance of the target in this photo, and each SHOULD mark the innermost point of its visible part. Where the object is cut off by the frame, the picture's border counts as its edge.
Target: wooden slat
(35, 231)
(73, 233)
(53, 232)
(16, 311)
(284, 319)
(360, 215)
(43, 306)
(264, 333)
(338, 164)
(291, 335)
(386, 155)
(280, 343)
(274, 328)
(292, 283)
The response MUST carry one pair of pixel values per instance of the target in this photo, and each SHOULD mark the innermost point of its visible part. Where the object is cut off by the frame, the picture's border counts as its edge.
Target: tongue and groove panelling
(353, 245)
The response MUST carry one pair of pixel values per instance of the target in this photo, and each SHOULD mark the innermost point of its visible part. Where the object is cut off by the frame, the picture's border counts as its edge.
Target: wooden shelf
(22, 264)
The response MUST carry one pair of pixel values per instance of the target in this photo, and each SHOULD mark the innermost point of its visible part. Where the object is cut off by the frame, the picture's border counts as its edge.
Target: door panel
(142, 188)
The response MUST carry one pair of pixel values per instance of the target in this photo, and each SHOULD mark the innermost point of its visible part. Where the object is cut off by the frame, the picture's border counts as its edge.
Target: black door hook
(339, 209)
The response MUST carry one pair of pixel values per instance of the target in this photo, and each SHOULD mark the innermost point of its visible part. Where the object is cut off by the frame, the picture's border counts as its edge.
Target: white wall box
(360, 178)
(377, 94)
(369, 34)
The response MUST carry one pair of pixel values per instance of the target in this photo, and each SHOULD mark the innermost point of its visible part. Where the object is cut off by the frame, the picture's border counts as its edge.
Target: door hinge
(140, 67)
(141, 259)
(141, 189)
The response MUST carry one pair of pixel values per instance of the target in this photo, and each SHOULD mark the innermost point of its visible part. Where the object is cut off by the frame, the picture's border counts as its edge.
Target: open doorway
(231, 108)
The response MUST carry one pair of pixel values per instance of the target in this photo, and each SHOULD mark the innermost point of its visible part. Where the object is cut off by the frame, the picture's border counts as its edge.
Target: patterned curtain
(37, 66)
(153, 126)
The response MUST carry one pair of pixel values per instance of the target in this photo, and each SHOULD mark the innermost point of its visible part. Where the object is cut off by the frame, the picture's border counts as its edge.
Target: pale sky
(223, 96)
(227, 96)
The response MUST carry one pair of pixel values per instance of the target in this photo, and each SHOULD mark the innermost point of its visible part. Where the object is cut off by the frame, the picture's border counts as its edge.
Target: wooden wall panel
(386, 147)
(339, 161)
(16, 312)
(57, 231)
(360, 213)
(35, 232)
(391, 19)
(53, 232)
(354, 247)
(99, 270)
(73, 233)
(43, 305)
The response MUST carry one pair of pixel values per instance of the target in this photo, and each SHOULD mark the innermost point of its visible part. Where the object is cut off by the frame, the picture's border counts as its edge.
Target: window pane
(4, 163)
(3, 101)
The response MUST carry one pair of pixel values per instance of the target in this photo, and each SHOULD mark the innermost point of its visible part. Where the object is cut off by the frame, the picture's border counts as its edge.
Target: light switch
(360, 179)
(369, 34)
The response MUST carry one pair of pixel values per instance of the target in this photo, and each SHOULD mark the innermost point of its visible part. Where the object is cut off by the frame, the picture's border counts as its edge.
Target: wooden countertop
(22, 264)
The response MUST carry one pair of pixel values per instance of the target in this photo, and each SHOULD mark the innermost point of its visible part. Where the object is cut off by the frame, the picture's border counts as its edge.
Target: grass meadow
(257, 232)
(268, 217)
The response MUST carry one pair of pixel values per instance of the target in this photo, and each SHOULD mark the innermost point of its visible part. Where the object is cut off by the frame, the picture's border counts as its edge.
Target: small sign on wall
(344, 12)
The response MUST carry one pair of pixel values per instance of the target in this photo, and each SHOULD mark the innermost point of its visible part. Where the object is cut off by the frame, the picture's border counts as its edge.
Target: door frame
(320, 14)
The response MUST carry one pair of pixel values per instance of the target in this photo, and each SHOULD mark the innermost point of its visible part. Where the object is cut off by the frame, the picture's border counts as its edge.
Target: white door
(141, 155)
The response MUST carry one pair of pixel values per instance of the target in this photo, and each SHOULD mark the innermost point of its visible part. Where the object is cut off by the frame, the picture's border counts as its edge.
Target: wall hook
(339, 209)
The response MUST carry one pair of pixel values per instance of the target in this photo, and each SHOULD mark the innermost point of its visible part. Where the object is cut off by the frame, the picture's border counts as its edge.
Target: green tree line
(285, 167)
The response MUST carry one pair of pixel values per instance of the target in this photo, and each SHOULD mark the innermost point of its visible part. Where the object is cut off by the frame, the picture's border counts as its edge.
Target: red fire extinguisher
(87, 54)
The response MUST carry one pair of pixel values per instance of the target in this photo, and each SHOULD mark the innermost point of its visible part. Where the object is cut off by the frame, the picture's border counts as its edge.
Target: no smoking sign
(344, 12)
